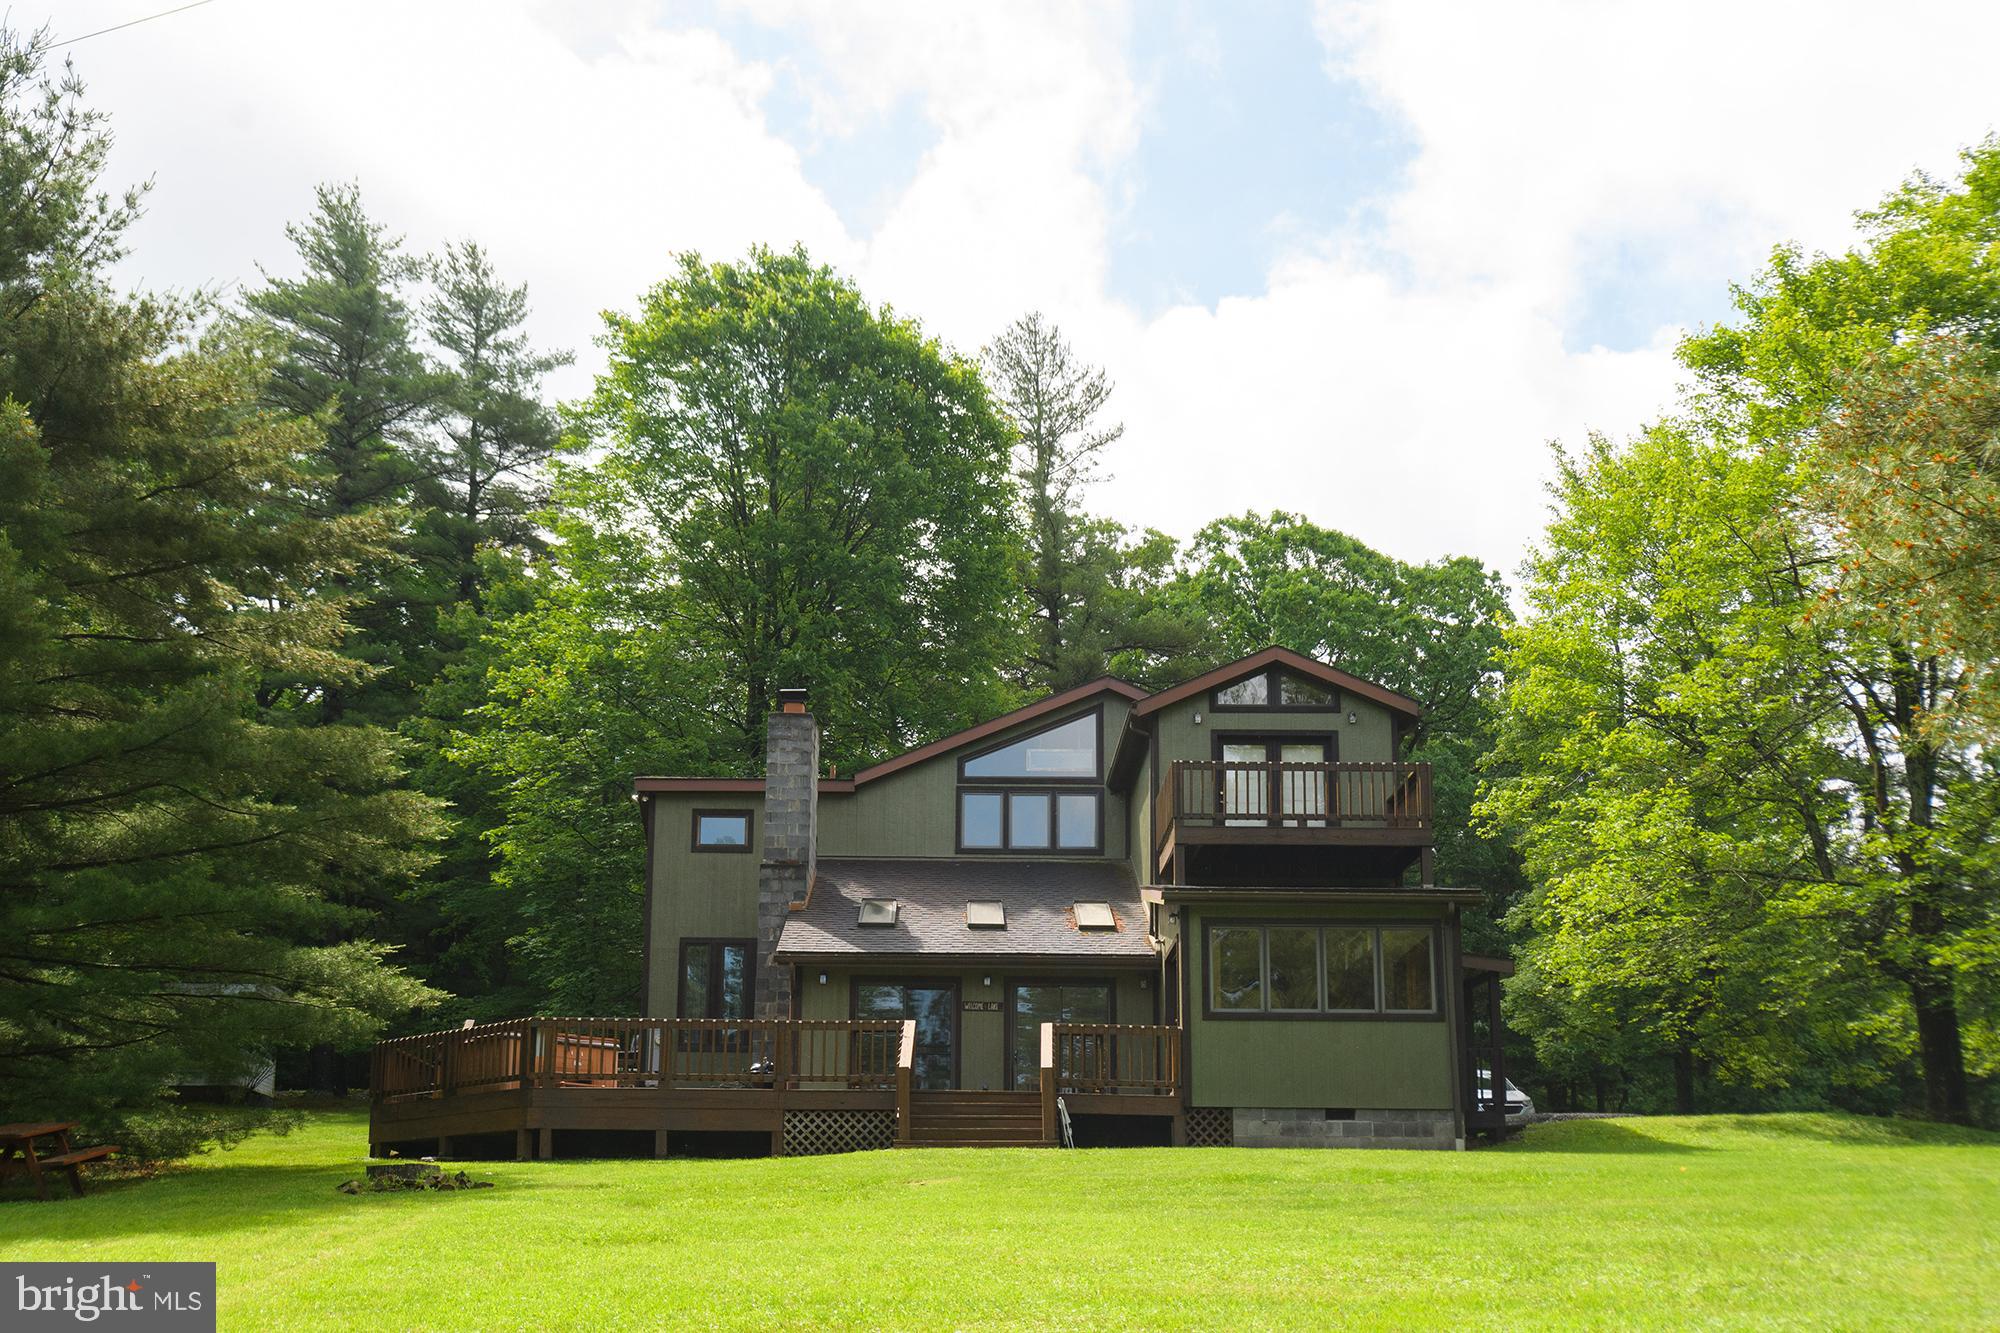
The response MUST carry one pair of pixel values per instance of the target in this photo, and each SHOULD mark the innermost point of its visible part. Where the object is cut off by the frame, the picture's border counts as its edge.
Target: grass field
(1775, 1221)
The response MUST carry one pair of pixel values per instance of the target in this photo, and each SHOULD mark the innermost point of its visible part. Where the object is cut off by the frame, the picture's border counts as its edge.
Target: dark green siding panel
(914, 812)
(697, 894)
(1369, 739)
(1315, 1062)
(1140, 801)
(1401, 1065)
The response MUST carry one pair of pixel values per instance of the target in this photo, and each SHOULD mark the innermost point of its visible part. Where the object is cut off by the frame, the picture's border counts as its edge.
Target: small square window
(722, 830)
(1028, 819)
(878, 911)
(986, 914)
(979, 819)
(1095, 916)
(1076, 820)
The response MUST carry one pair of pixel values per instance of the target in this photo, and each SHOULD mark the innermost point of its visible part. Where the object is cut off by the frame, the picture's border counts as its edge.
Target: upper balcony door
(1256, 782)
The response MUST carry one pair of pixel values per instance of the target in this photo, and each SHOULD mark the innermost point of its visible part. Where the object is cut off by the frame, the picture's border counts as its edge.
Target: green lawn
(1793, 1221)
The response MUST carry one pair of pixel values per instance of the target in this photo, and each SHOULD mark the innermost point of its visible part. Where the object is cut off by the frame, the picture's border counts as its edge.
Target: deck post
(1049, 1129)
(524, 1144)
(659, 1143)
(906, 1056)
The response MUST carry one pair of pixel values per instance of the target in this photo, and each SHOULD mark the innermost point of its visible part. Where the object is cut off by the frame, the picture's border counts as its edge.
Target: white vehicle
(1520, 1107)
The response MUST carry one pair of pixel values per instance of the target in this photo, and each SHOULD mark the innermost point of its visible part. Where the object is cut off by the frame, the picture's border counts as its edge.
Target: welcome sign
(172, 1298)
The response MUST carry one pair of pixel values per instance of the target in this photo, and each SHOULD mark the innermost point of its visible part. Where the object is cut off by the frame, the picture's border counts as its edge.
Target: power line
(133, 23)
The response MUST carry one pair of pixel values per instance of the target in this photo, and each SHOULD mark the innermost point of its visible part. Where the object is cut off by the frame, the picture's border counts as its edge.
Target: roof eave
(815, 958)
(1217, 893)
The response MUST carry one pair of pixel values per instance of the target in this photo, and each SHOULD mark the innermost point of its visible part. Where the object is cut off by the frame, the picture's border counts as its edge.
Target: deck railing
(640, 1052)
(1131, 1058)
(1203, 793)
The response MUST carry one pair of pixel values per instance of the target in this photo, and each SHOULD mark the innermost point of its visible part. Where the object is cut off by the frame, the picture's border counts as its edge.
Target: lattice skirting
(812, 1133)
(1211, 1127)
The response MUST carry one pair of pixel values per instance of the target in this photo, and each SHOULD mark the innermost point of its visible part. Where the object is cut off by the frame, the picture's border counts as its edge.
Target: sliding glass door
(1033, 1003)
(1301, 796)
(934, 1005)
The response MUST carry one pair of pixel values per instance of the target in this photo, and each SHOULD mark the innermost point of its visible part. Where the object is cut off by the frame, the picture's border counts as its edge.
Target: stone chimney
(791, 812)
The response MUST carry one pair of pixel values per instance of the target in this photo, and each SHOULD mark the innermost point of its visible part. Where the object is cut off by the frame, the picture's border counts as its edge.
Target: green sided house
(1205, 916)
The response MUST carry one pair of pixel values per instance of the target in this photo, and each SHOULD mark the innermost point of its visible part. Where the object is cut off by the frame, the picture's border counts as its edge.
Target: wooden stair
(974, 1120)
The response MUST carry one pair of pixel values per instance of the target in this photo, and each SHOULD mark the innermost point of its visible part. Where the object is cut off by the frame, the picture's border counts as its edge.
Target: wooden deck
(527, 1080)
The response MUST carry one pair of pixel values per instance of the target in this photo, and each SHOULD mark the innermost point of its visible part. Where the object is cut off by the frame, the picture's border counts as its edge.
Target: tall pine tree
(349, 361)
(170, 851)
(1091, 586)
(497, 429)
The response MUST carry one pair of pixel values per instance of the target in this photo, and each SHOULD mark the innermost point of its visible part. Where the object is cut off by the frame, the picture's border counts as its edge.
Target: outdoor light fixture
(1197, 719)
(986, 981)
(822, 978)
(1351, 718)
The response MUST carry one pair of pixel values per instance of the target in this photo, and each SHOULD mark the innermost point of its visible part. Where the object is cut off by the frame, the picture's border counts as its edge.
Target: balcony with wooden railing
(1215, 801)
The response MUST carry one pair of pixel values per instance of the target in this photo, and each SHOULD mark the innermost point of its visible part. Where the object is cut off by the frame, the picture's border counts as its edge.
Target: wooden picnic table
(19, 1153)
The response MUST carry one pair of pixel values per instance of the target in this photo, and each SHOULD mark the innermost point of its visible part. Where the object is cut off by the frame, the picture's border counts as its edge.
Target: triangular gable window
(1277, 689)
(1065, 751)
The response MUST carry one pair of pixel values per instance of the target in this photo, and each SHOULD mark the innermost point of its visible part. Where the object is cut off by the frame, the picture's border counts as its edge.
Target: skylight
(989, 914)
(1095, 916)
(878, 911)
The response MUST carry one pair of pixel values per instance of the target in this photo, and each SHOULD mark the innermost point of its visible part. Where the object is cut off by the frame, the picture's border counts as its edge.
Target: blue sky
(1390, 249)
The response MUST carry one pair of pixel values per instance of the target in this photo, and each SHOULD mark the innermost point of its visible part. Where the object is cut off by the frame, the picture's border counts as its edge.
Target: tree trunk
(1940, 1049)
(1683, 1082)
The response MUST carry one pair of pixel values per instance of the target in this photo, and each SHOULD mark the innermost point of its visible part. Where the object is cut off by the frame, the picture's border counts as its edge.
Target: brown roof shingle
(931, 918)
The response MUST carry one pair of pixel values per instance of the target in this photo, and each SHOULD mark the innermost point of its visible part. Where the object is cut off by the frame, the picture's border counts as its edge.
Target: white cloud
(1714, 128)
(1032, 107)
(1398, 378)
(582, 168)
(1404, 387)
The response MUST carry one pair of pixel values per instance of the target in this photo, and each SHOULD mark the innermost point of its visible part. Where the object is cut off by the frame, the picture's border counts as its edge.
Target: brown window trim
(695, 844)
(1007, 816)
(1273, 739)
(712, 1002)
(1095, 781)
(1007, 984)
(1272, 692)
(1435, 1014)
